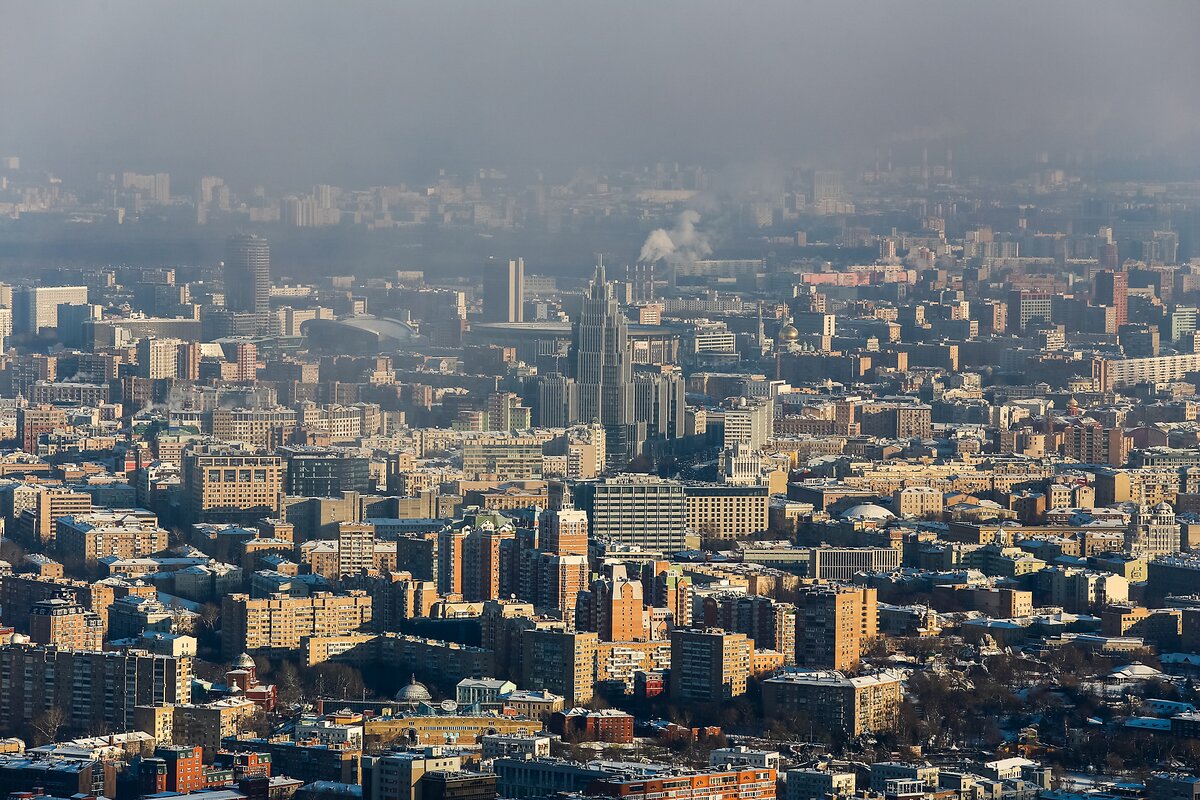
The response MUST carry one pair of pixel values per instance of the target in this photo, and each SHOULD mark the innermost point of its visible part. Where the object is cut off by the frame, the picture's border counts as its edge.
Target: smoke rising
(680, 245)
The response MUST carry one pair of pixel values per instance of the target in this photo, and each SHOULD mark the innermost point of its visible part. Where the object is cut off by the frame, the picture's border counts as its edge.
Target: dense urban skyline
(577, 401)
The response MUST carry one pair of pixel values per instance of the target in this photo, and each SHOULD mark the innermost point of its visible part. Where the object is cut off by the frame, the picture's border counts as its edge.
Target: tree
(288, 682)
(258, 724)
(47, 725)
(335, 681)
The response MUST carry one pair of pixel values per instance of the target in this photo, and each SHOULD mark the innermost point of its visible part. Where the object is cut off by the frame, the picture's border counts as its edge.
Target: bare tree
(47, 725)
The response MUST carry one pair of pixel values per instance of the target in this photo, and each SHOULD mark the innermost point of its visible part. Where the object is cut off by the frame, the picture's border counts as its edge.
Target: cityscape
(733, 457)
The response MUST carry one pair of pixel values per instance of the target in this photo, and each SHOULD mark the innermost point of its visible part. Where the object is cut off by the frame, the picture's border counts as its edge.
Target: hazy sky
(361, 92)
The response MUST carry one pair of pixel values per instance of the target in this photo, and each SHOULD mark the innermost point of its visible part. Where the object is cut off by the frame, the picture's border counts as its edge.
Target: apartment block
(832, 701)
(277, 624)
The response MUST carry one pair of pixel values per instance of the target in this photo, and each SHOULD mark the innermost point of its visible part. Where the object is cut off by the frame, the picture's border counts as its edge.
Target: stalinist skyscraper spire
(603, 370)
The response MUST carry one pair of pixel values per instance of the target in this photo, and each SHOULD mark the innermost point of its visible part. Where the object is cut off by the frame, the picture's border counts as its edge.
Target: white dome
(868, 511)
(415, 692)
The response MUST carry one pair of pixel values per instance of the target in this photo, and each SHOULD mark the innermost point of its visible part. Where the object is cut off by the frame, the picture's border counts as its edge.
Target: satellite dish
(449, 705)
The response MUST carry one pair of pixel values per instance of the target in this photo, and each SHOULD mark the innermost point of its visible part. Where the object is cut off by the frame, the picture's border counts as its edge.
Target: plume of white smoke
(683, 243)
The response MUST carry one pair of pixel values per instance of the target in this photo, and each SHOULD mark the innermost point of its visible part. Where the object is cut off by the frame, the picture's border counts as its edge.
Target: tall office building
(640, 510)
(248, 275)
(748, 422)
(659, 401)
(504, 291)
(36, 307)
(226, 484)
(555, 401)
(604, 370)
(1112, 289)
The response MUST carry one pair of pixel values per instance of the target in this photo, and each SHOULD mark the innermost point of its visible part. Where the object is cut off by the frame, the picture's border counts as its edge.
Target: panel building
(94, 689)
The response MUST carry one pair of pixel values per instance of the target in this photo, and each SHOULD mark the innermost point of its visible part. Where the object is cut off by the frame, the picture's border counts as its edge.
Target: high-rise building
(325, 471)
(36, 307)
(503, 457)
(62, 622)
(659, 401)
(722, 511)
(127, 533)
(640, 510)
(356, 547)
(770, 624)
(614, 607)
(504, 291)
(834, 624)
(561, 662)
(603, 369)
(225, 484)
(481, 566)
(748, 422)
(37, 523)
(505, 412)
(94, 689)
(561, 579)
(397, 776)
(709, 666)
(1028, 309)
(248, 275)
(158, 358)
(564, 532)
(450, 545)
(555, 401)
(1112, 289)
(1092, 443)
(33, 421)
(275, 625)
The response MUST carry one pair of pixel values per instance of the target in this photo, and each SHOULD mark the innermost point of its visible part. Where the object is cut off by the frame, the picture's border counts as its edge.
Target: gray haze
(292, 92)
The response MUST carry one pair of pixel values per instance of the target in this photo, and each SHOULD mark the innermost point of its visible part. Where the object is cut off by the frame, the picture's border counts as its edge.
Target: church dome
(244, 661)
(415, 692)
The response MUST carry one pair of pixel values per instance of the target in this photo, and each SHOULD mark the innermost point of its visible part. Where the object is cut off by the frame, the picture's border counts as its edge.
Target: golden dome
(788, 333)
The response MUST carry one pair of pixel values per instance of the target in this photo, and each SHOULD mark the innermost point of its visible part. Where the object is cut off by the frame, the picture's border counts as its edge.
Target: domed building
(413, 694)
(244, 664)
(867, 512)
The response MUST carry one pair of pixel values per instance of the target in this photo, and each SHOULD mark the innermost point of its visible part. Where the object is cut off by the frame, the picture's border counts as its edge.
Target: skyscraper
(248, 274)
(604, 370)
(1112, 289)
(504, 291)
